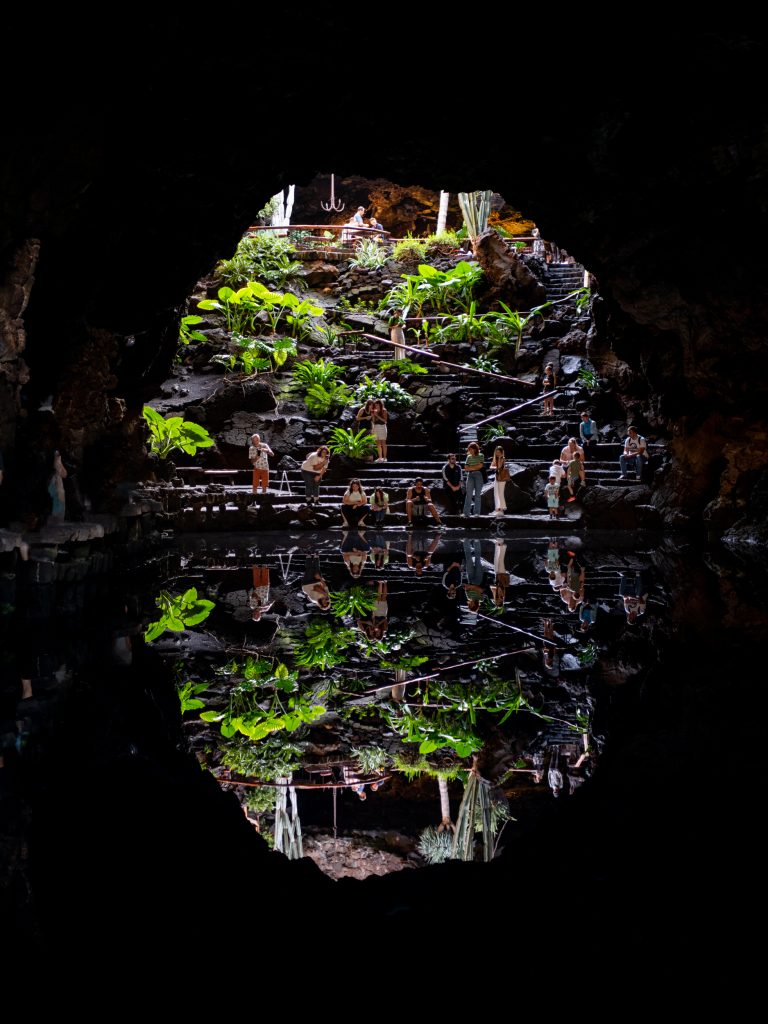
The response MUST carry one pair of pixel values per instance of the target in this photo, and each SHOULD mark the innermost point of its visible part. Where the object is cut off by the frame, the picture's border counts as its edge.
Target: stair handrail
(435, 356)
(517, 408)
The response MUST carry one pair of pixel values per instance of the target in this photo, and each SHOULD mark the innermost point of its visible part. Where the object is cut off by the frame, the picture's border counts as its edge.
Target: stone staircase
(562, 279)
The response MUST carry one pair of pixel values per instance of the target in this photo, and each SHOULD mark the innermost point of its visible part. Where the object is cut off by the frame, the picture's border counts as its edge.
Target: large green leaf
(212, 716)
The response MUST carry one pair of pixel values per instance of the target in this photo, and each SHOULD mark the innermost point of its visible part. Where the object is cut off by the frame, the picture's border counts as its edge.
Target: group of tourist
(566, 477)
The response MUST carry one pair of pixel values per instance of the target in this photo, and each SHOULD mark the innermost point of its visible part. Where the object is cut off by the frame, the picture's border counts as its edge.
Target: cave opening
(675, 330)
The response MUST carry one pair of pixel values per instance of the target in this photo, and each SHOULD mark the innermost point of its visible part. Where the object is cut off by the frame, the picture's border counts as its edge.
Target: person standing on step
(587, 430)
(313, 469)
(258, 453)
(575, 476)
(473, 467)
(365, 415)
(548, 384)
(451, 474)
(397, 334)
(379, 417)
(418, 497)
(635, 452)
(552, 494)
(499, 466)
(354, 504)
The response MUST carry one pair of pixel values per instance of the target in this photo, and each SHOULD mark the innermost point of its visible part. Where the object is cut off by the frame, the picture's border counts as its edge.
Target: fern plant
(322, 372)
(353, 445)
(264, 258)
(322, 400)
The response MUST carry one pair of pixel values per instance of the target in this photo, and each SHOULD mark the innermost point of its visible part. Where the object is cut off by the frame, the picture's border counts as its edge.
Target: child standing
(552, 492)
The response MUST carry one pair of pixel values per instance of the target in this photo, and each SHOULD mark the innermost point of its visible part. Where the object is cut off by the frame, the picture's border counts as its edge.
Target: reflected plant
(271, 758)
(370, 760)
(324, 646)
(357, 601)
(261, 799)
(178, 612)
(435, 846)
(255, 712)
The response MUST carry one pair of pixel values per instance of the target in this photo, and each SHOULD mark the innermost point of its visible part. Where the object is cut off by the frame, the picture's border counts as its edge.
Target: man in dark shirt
(452, 480)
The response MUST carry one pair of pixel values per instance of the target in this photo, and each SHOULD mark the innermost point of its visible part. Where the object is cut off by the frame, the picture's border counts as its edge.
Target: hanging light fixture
(334, 204)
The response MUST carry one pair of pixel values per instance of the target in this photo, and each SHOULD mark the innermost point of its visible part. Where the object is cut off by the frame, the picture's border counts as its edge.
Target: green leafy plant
(261, 799)
(324, 646)
(325, 399)
(393, 394)
(493, 431)
(370, 760)
(403, 367)
(448, 239)
(370, 255)
(178, 612)
(485, 363)
(322, 372)
(187, 694)
(446, 291)
(250, 307)
(405, 664)
(260, 257)
(187, 330)
(257, 355)
(273, 757)
(588, 379)
(588, 654)
(267, 704)
(511, 324)
(353, 445)
(357, 601)
(409, 250)
(435, 846)
(174, 434)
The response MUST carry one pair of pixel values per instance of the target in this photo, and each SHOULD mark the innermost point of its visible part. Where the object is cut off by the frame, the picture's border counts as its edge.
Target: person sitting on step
(569, 450)
(587, 430)
(354, 504)
(634, 454)
(418, 500)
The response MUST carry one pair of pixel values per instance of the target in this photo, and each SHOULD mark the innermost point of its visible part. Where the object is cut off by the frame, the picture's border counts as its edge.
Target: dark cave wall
(134, 185)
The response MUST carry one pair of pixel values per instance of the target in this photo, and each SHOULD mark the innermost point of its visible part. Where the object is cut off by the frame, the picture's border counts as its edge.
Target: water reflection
(356, 679)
